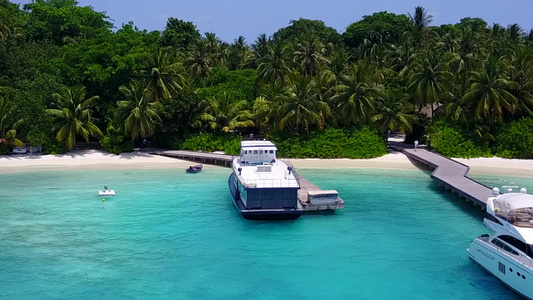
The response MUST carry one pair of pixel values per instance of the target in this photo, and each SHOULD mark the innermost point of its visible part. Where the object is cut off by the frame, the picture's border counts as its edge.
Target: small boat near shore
(194, 169)
(106, 192)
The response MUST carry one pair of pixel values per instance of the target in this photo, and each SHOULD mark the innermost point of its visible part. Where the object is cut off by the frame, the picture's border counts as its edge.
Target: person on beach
(416, 144)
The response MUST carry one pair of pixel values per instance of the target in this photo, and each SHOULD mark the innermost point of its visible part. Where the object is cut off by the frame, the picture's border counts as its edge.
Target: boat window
(271, 151)
(522, 217)
(493, 219)
(260, 151)
(255, 151)
(503, 246)
(518, 244)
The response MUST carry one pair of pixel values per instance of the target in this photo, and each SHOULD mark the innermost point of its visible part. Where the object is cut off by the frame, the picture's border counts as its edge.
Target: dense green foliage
(65, 75)
(516, 140)
(454, 142)
(332, 143)
(115, 142)
(383, 26)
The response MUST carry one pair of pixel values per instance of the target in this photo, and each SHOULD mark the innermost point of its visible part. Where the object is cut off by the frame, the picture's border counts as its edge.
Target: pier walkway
(206, 158)
(226, 160)
(452, 175)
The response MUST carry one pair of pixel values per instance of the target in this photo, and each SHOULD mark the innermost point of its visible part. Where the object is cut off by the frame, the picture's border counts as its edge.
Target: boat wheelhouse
(262, 186)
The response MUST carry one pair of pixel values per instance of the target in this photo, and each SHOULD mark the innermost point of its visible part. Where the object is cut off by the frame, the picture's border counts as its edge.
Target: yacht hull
(259, 214)
(509, 271)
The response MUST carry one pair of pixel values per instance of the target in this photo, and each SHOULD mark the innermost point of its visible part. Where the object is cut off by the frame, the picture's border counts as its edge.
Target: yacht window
(497, 242)
(255, 151)
(271, 151)
(260, 151)
(514, 242)
(503, 246)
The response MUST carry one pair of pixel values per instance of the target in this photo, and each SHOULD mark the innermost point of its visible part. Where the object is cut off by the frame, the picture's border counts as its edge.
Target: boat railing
(269, 183)
(293, 170)
(526, 260)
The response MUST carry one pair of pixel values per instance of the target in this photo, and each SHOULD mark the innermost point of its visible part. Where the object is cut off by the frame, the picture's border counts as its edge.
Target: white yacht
(508, 252)
(262, 186)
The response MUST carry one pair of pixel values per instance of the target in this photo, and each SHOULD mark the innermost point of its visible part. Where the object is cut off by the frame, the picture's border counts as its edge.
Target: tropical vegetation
(67, 77)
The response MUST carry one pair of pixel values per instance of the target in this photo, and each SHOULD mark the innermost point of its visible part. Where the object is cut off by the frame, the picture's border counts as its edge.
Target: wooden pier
(206, 158)
(226, 160)
(303, 194)
(452, 175)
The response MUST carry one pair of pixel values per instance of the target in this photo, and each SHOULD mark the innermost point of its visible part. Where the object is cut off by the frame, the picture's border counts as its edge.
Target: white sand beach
(88, 160)
(97, 160)
(478, 166)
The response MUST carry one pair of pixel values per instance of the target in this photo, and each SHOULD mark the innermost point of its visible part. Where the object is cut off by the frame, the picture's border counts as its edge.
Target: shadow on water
(464, 205)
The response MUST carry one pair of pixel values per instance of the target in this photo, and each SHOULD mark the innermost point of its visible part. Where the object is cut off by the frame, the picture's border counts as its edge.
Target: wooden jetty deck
(226, 161)
(452, 175)
(203, 157)
(305, 187)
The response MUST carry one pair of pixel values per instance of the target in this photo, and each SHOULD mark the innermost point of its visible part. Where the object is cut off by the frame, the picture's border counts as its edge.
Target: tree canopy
(67, 75)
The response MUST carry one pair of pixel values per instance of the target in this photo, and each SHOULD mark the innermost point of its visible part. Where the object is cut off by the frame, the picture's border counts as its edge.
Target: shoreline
(98, 160)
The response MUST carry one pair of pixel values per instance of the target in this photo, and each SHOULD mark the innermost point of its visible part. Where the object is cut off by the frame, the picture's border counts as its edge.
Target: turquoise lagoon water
(171, 235)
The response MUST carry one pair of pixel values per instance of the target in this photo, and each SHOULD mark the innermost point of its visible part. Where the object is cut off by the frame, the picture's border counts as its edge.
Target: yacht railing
(521, 258)
(526, 260)
(293, 170)
(269, 183)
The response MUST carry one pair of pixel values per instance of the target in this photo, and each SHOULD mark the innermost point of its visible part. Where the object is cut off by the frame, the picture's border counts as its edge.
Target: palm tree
(466, 58)
(8, 126)
(136, 113)
(199, 59)
(262, 111)
(431, 80)
(261, 46)
(356, 95)
(393, 112)
(490, 90)
(163, 74)
(338, 60)
(239, 54)
(420, 21)
(224, 113)
(74, 116)
(402, 58)
(275, 65)
(521, 60)
(301, 109)
(515, 33)
(211, 42)
(309, 56)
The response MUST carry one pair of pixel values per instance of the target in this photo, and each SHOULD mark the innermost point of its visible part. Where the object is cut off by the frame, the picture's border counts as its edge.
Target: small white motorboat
(106, 192)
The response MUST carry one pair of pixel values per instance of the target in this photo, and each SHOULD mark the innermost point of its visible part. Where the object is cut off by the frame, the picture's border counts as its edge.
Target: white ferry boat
(508, 252)
(262, 186)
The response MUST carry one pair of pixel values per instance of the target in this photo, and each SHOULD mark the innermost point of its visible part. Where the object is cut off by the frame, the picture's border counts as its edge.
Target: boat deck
(307, 186)
(226, 160)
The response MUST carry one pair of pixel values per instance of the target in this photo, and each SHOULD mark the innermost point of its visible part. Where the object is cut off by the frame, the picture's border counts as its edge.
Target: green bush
(114, 141)
(332, 143)
(451, 141)
(515, 140)
(209, 142)
(52, 146)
